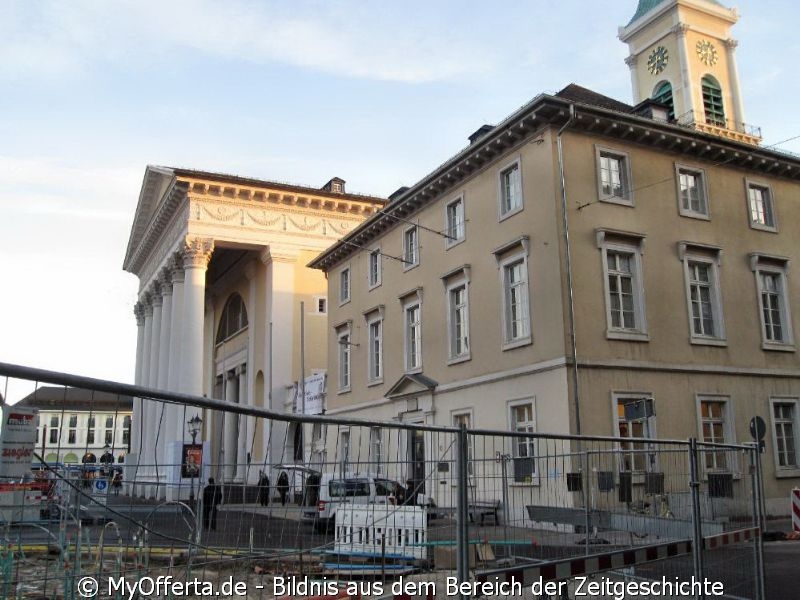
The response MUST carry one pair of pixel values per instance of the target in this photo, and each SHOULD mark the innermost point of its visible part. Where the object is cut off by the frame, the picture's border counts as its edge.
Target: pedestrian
(116, 482)
(212, 496)
(411, 493)
(283, 486)
(263, 488)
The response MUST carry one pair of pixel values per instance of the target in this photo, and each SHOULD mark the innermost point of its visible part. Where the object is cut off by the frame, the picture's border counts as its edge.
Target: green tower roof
(646, 6)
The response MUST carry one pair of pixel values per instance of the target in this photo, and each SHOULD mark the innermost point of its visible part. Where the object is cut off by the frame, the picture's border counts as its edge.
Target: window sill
(407, 267)
(767, 228)
(700, 341)
(781, 473)
(524, 484)
(459, 359)
(621, 200)
(414, 371)
(778, 347)
(343, 302)
(694, 215)
(527, 341)
(343, 390)
(510, 213)
(374, 382)
(629, 336)
(448, 244)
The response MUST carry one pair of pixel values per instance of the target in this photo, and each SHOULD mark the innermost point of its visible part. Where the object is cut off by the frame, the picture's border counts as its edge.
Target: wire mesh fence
(290, 505)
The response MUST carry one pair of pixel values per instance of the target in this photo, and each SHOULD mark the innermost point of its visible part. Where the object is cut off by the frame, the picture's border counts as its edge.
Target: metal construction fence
(302, 506)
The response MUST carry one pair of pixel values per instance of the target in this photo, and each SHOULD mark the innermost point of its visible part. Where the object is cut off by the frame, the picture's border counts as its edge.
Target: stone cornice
(528, 123)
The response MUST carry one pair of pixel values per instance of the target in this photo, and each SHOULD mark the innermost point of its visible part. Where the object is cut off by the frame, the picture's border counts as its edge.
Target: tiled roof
(576, 93)
(646, 6)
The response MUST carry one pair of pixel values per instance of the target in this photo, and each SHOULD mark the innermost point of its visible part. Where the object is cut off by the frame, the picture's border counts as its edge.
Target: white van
(335, 489)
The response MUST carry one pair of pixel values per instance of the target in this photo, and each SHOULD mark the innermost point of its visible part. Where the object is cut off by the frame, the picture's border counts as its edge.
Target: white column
(197, 253)
(135, 443)
(231, 433)
(166, 330)
(241, 428)
(686, 88)
(175, 425)
(145, 435)
(153, 407)
(251, 271)
(736, 90)
(631, 61)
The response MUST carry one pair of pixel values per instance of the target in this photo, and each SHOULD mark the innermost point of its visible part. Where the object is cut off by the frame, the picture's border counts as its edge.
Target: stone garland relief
(270, 219)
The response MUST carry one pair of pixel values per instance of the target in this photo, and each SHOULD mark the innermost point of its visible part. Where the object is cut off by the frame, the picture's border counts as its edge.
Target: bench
(483, 509)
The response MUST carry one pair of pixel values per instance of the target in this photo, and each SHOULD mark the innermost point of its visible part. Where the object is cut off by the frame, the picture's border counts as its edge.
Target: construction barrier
(796, 509)
(381, 530)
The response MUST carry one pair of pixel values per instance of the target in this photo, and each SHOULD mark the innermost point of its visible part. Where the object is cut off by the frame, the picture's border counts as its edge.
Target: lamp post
(193, 425)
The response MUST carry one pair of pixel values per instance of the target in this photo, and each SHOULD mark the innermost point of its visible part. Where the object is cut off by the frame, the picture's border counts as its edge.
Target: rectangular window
(374, 268)
(776, 325)
(465, 419)
(762, 211)
(714, 424)
(522, 421)
(454, 222)
(344, 451)
(376, 448)
(624, 288)
(692, 192)
(613, 175)
(785, 427)
(635, 424)
(375, 352)
(510, 190)
(344, 285)
(109, 437)
(344, 344)
(703, 294)
(516, 306)
(458, 320)
(72, 432)
(321, 305)
(54, 436)
(410, 248)
(413, 338)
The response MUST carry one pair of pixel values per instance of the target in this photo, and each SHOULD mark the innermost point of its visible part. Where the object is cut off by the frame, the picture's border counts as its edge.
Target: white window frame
(634, 245)
(762, 264)
(702, 187)
(466, 416)
(626, 180)
(517, 442)
(525, 337)
(638, 443)
(320, 302)
(412, 335)
(456, 230)
(344, 358)
(453, 340)
(375, 350)
(517, 203)
(345, 281)
(728, 431)
(710, 257)
(766, 189)
(410, 247)
(374, 268)
(794, 402)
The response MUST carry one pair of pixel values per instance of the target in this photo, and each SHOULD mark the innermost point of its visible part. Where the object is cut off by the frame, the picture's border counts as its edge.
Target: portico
(221, 263)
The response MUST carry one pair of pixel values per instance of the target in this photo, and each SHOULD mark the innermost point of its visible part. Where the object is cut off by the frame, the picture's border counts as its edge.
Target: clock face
(657, 60)
(706, 52)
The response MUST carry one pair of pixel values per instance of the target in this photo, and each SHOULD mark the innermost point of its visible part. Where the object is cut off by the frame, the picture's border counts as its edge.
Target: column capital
(681, 28)
(165, 280)
(241, 370)
(631, 61)
(138, 311)
(251, 270)
(176, 267)
(197, 252)
(147, 306)
(731, 44)
(156, 298)
(231, 374)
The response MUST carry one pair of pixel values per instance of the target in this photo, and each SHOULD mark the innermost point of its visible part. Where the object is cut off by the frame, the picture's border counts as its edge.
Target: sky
(378, 93)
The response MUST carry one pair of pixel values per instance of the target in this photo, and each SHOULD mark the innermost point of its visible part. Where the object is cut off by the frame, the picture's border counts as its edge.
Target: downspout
(568, 258)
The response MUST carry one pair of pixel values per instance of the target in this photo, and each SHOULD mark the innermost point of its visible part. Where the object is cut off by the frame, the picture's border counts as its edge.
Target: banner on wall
(315, 395)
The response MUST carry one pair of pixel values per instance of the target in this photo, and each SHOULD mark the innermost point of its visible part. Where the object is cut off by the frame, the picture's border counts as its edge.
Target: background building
(585, 255)
(79, 426)
(221, 263)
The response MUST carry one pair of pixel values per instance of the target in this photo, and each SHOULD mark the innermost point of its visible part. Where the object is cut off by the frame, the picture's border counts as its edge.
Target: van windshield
(341, 488)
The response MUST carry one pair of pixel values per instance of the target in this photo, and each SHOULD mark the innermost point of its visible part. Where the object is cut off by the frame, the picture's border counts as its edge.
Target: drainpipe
(568, 258)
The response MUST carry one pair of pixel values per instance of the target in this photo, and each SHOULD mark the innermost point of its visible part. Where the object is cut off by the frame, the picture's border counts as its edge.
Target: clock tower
(682, 54)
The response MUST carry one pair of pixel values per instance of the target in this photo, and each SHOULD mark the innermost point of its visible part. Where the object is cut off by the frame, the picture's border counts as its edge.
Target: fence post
(462, 506)
(697, 527)
(758, 519)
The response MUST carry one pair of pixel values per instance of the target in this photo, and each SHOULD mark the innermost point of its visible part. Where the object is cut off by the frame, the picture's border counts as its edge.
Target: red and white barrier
(796, 509)
(731, 537)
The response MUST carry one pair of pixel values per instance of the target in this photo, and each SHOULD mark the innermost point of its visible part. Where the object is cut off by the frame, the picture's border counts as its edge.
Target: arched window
(234, 318)
(663, 95)
(712, 102)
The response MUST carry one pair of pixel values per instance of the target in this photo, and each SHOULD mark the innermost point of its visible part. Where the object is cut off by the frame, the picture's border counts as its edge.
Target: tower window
(712, 102)
(663, 95)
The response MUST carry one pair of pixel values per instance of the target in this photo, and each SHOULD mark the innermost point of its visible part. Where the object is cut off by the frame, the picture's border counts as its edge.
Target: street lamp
(193, 425)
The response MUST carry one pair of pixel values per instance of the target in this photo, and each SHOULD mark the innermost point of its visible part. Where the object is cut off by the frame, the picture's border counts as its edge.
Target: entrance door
(417, 459)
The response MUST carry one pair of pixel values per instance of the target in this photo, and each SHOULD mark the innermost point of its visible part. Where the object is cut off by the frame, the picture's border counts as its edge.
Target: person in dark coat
(283, 486)
(263, 488)
(212, 496)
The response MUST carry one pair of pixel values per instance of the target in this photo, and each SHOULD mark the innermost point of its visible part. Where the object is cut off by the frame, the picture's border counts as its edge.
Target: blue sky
(377, 93)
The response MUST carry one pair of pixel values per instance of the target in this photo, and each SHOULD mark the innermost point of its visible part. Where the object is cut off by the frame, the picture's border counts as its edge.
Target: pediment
(411, 384)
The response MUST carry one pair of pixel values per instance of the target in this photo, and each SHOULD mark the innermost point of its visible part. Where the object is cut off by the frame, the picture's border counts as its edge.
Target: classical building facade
(78, 426)
(585, 254)
(221, 263)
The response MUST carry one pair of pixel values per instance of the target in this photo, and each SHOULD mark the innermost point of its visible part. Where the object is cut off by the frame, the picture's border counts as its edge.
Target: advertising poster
(17, 442)
(192, 459)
